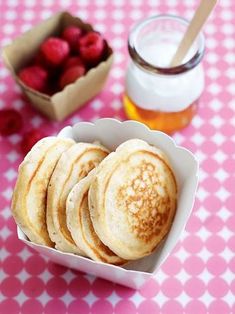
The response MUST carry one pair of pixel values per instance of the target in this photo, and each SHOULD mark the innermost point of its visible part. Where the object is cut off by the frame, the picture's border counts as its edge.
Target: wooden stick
(201, 15)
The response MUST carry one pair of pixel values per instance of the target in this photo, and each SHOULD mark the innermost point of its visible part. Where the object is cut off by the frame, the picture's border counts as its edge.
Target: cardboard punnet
(111, 133)
(73, 96)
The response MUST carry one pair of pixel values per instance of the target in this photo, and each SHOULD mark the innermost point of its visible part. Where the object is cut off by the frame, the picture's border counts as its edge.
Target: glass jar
(164, 98)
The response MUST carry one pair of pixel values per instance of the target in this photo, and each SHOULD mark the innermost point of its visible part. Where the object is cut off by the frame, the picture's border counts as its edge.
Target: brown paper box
(73, 96)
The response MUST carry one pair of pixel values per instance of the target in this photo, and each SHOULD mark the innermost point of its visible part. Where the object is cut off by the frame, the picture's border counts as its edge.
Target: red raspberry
(38, 60)
(10, 121)
(72, 34)
(55, 51)
(31, 138)
(35, 77)
(73, 61)
(91, 47)
(71, 75)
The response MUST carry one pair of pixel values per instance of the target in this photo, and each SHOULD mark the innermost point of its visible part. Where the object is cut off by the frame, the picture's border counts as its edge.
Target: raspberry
(55, 51)
(71, 75)
(38, 59)
(30, 138)
(73, 61)
(35, 77)
(10, 121)
(72, 34)
(91, 47)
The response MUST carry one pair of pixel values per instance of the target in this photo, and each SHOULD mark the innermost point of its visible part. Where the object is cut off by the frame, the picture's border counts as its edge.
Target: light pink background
(198, 277)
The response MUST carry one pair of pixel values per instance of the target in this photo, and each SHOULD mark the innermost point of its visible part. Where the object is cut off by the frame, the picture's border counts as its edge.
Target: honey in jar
(164, 98)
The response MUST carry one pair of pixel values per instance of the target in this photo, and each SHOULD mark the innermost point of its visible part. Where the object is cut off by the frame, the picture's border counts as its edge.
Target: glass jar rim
(141, 62)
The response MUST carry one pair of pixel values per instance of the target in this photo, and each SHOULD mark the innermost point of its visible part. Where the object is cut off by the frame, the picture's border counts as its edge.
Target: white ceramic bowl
(111, 133)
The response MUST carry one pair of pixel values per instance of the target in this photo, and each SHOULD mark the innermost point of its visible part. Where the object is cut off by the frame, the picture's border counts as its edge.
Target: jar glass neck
(162, 30)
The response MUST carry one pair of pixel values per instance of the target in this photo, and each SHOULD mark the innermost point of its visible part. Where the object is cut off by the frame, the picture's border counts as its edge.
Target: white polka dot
(116, 104)
(215, 104)
(187, 3)
(117, 88)
(4, 72)
(172, 3)
(12, 3)
(230, 57)
(211, 42)
(231, 88)
(46, 14)
(117, 28)
(136, 3)
(47, 3)
(118, 3)
(232, 104)
(119, 57)
(100, 14)
(26, 27)
(82, 14)
(8, 28)
(228, 29)
(118, 43)
(97, 104)
(101, 3)
(210, 29)
(189, 14)
(230, 73)
(227, 3)
(65, 3)
(28, 15)
(229, 43)
(101, 27)
(214, 88)
(153, 3)
(212, 57)
(213, 73)
(5, 41)
(117, 73)
(83, 3)
(75, 119)
(136, 14)
(118, 14)
(226, 15)
(18, 104)
(10, 15)
(30, 3)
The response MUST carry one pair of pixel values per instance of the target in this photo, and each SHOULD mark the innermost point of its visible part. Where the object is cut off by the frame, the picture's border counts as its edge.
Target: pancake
(132, 199)
(80, 224)
(29, 196)
(73, 165)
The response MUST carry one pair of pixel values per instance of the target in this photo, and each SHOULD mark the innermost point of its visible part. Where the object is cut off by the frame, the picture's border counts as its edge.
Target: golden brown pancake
(29, 196)
(132, 199)
(73, 165)
(80, 224)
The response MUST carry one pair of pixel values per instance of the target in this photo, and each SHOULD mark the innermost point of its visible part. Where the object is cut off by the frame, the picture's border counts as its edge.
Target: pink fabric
(198, 277)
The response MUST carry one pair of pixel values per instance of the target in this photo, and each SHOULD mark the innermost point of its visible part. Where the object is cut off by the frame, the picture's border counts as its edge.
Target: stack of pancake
(82, 199)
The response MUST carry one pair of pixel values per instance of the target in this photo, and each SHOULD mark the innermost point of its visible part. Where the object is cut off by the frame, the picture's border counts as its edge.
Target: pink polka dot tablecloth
(199, 275)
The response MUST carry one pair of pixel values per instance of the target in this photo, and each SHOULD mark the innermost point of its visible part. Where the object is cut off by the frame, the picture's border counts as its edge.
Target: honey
(167, 122)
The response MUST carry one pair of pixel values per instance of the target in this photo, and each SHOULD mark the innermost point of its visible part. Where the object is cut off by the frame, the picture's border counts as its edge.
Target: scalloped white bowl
(111, 133)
